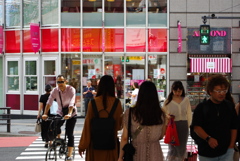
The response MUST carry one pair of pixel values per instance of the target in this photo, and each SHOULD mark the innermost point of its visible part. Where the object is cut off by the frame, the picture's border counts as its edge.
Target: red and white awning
(210, 65)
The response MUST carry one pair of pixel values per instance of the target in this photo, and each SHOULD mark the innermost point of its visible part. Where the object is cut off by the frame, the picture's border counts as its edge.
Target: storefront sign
(179, 37)
(210, 65)
(1, 39)
(220, 41)
(34, 29)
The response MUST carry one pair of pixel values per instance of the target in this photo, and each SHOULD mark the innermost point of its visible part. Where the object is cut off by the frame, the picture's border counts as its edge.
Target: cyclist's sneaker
(46, 145)
(68, 159)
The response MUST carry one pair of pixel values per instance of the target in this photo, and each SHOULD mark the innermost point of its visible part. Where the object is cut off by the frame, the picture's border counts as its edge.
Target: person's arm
(45, 115)
(124, 139)
(212, 142)
(237, 108)
(71, 104)
(40, 108)
(233, 138)
(189, 113)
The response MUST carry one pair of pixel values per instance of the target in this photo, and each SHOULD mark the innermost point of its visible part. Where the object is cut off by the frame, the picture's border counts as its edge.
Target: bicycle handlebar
(59, 117)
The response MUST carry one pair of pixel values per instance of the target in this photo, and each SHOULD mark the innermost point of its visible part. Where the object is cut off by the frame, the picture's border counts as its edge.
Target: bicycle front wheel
(51, 154)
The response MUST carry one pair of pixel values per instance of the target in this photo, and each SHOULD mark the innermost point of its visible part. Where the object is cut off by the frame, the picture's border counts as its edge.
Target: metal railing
(6, 116)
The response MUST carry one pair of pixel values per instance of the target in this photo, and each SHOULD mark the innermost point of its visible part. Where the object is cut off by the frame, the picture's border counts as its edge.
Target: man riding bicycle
(65, 96)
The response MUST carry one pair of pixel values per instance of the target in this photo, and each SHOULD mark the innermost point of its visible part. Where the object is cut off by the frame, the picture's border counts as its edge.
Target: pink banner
(34, 29)
(179, 37)
(1, 39)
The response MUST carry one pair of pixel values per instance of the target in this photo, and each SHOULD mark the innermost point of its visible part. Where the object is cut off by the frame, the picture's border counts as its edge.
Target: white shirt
(134, 99)
(181, 111)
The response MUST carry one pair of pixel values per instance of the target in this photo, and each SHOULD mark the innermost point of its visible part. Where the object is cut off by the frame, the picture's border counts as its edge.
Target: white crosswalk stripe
(36, 150)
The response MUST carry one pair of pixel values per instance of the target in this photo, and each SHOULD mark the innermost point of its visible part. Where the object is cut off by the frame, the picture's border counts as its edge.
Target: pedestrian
(65, 96)
(178, 106)
(119, 86)
(104, 100)
(147, 125)
(215, 122)
(88, 93)
(41, 108)
(134, 94)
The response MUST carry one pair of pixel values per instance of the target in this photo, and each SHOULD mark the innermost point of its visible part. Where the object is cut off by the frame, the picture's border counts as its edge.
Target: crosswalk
(37, 152)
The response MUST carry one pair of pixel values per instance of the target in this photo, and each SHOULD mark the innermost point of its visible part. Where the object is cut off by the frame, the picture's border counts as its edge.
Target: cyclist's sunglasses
(60, 82)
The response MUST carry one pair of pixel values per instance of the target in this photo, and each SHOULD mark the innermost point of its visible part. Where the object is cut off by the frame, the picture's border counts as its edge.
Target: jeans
(228, 156)
(86, 101)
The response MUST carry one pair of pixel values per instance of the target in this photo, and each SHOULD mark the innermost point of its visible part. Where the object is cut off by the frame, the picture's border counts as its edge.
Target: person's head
(106, 88)
(147, 109)
(61, 82)
(48, 88)
(135, 85)
(89, 83)
(217, 88)
(177, 89)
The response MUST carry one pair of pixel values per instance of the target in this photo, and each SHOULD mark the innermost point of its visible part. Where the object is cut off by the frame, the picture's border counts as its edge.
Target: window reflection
(70, 9)
(12, 76)
(49, 67)
(31, 83)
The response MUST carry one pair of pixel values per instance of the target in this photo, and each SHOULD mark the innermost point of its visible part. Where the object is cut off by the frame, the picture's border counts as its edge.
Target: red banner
(34, 29)
(1, 39)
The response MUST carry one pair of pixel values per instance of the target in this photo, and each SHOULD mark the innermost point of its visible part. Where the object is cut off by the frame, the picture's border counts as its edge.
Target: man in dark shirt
(215, 122)
(88, 92)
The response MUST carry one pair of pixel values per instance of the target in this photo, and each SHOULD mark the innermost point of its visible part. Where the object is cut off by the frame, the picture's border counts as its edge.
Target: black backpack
(102, 129)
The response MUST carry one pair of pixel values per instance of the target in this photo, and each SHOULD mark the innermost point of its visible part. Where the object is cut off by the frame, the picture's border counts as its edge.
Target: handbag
(128, 148)
(54, 108)
(171, 136)
(38, 126)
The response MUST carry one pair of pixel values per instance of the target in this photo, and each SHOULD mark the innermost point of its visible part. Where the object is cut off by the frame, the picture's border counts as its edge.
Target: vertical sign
(179, 37)
(1, 39)
(34, 29)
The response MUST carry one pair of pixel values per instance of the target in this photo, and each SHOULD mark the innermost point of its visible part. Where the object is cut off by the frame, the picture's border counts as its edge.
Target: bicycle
(51, 153)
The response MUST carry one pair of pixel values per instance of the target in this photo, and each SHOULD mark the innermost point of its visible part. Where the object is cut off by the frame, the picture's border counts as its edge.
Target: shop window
(70, 68)
(157, 73)
(157, 13)
(114, 13)
(49, 12)
(92, 40)
(12, 41)
(136, 40)
(30, 12)
(49, 75)
(114, 40)
(31, 82)
(92, 13)
(49, 40)
(27, 44)
(70, 40)
(70, 9)
(12, 15)
(157, 40)
(12, 76)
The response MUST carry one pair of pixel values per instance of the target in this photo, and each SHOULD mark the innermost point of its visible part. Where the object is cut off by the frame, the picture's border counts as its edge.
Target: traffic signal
(204, 34)
(127, 60)
(122, 58)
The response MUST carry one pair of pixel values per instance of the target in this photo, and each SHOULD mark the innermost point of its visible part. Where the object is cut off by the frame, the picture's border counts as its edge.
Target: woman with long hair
(104, 100)
(178, 106)
(147, 117)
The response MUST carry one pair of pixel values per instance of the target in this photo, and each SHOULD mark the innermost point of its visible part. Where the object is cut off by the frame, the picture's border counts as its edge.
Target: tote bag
(171, 136)
(54, 108)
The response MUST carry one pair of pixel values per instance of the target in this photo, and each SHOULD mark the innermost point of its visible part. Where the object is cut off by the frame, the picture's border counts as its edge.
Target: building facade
(132, 39)
(83, 40)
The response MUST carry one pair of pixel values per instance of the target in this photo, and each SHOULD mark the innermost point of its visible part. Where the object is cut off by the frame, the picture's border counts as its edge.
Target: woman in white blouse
(134, 94)
(178, 106)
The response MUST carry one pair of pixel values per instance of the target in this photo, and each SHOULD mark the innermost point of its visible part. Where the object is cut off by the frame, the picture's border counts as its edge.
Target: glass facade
(83, 40)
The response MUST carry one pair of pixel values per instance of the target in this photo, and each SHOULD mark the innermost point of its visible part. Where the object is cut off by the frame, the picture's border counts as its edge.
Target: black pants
(70, 124)
(86, 101)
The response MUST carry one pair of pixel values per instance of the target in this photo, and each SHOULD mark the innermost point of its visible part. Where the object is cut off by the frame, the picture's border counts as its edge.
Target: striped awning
(210, 65)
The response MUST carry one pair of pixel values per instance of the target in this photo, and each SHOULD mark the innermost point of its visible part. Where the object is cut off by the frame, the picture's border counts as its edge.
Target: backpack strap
(94, 108)
(113, 107)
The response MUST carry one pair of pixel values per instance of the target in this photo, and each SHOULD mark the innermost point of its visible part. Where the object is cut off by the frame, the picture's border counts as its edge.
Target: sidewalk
(25, 127)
